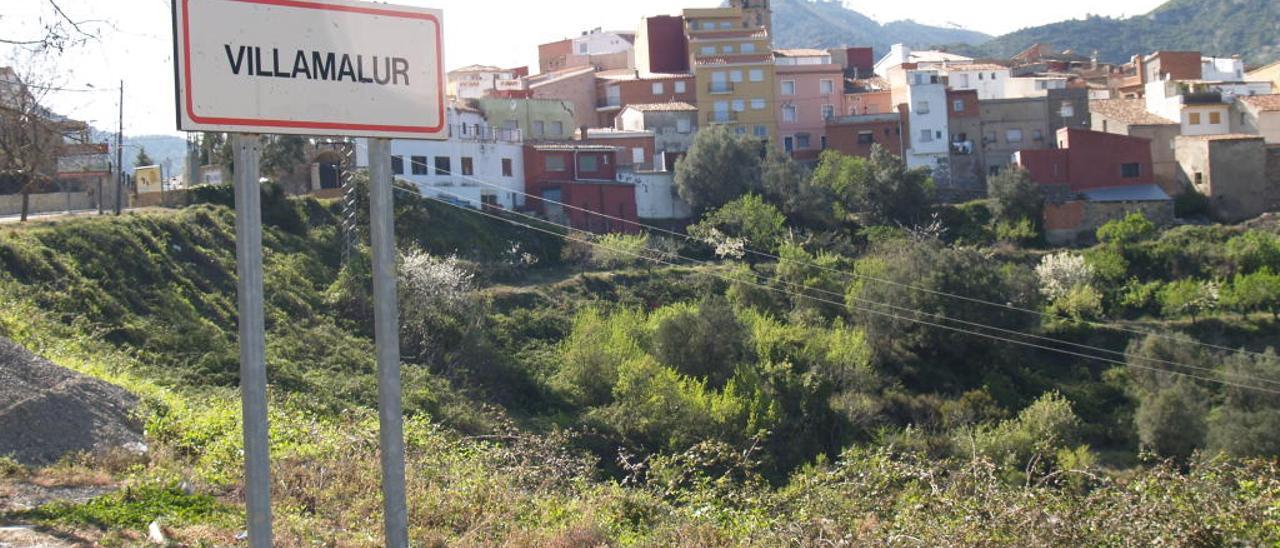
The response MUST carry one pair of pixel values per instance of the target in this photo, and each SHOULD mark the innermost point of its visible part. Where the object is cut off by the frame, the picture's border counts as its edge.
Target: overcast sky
(136, 43)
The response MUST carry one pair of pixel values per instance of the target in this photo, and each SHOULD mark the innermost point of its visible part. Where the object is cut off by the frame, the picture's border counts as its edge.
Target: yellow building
(732, 61)
(1269, 73)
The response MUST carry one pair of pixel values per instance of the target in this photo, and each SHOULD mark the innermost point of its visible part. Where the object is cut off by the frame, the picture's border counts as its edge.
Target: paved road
(47, 216)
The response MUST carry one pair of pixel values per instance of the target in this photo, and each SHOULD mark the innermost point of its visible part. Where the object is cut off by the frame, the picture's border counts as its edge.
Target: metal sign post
(247, 151)
(317, 67)
(386, 325)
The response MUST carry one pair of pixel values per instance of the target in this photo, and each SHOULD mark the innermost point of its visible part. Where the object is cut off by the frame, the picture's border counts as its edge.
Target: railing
(609, 102)
(723, 117)
(478, 132)
(720, 87)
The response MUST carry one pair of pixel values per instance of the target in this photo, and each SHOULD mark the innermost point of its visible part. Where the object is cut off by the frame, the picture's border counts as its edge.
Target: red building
(615, 89)
(1088, 160)
(661, 45)
(636, 149)
(568, 182)
(856, 135)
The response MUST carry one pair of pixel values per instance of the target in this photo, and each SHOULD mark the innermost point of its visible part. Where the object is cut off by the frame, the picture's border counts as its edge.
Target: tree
(1015, 196)
(284, 157)
(1248, 422)
(1254, 250)
(1061, 272)
(143, 160)
(881, 187)
(1188, 298)
(1132, 229)
(787, 185)
(706, 343)
(719, 167)
(1254, 292)
(1171, 421)
(54, 31)
(760, 225)
(30, 138)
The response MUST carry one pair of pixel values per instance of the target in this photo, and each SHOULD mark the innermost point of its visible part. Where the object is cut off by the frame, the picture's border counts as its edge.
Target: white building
(901, 53)
(1200, 109)
(478, 81)
(926, 98)
(478, 164)
(1225, 69)
(1258, 115)
(603, 42)
(1033, 86)
(656, 196)
(987, 79)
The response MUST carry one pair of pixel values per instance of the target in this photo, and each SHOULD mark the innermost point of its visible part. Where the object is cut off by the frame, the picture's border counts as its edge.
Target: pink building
(810, 92)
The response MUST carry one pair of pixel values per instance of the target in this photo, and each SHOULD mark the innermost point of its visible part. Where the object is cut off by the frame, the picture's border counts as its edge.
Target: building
(478, 164)
(733, 66)
(901, 54)
(574, 85)
(810, 92)
(755, 13)
(661, 46)
(605, 50)
(966, 176)
(1200, 110)
(578, 185)
(857, 62)
(636, 148)
(656, 195)
(989, 80)
(536, 119)
(1231, 170)
(1268, 73)
(1258, 115)
(927, 128)
(616, 89)
(1130, 117)
(857, 135)
(672, 124)
(478, 81)
(1075, 218)
(1010, 125)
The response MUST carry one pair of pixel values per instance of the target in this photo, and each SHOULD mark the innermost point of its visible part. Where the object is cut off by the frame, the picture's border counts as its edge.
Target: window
(828, 112)
(557, 129)
(727, 49)
(680, 86)
(756, 75)
(739, 131)
(443, 166)
(658, 88)
(1013, 136)
(1194, 118)
(789, 144)
(993, 76)
(588, 163)
(735, 76)
(397, 165)
(637, 155)
(922, 107)
(762, 132)
(963, 81)
(1215, 118)
(866, 137)
(418, 165)
(757, 104)
(1068, 110)
(468, 167)
(826, 87)
(555, 163)
(788, 87)
(824, 142)
(1037, 135)
(511, 124)
(1131, 171)
(802, 141)
(739, 105)
(726, 25)
(508, 167)
(789, 113)
(748, 48)
(982, 76)
(539, 128)
(683, 125)
(958, 105)
(1199, 178)
(582, 48)
(708, 50)
(926, 136)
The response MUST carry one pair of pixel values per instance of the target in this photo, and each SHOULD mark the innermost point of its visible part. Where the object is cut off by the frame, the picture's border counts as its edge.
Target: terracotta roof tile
(966, 67)
(664, 107)
(1130, 111)
(1263, 103)
(801, 52)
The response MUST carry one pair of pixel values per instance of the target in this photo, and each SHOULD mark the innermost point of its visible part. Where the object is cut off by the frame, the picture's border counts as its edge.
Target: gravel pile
(48, 412)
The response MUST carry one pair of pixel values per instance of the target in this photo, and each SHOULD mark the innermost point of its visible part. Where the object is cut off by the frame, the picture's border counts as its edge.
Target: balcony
(962, 148)
(482, 133)
(609, 103)
(720, 88)
(723, 117)
(1202, 97)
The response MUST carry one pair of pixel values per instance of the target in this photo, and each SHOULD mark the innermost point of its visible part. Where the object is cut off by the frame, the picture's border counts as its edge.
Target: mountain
(1249, 28)
(165, 150)
(829, 24)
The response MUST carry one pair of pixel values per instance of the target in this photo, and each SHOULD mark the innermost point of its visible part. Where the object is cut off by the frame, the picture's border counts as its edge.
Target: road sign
(310, 67)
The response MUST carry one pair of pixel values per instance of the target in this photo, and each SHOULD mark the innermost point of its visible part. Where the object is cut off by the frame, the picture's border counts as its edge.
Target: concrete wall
(665, 125)
(1078, 221)
(656, 196)
(11, 204)
(1003, 118)
(1231, 172)
(577, 89)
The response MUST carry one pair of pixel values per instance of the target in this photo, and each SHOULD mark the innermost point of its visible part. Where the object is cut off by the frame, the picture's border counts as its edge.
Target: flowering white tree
(429, 283)
(1060, 273)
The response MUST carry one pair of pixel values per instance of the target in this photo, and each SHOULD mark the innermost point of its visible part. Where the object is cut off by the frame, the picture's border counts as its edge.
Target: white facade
(989, 82)
(902, 53)
(1221, 69)
(1033, 86)
(602, 42)
(926, 97)
(656, 196)
(1257, 119)
(1199, 114)
(477, 81)
(477, 164)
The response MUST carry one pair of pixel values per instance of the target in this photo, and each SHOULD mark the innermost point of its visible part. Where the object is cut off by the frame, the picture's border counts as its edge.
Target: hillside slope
(1249, 28)
(828, 24)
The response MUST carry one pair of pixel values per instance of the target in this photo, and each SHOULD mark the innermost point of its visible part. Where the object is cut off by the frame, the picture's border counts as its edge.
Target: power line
(826, 301)
(850, 276)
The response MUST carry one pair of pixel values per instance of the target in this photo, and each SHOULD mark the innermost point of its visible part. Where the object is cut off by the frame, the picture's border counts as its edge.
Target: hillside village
(674, 286)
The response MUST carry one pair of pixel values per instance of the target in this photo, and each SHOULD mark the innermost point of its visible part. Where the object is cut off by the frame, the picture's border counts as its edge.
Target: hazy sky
(136, 44)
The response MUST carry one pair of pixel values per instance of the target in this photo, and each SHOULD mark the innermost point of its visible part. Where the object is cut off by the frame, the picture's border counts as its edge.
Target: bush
(1132, 229)
(1171, 421)
(759, 225)
(1191, 204)
(1188, 298)
(1015, 196)
(706, 343)
(620, 250)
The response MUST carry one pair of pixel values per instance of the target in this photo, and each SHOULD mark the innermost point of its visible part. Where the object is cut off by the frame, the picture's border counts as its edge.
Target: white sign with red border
(310, 67)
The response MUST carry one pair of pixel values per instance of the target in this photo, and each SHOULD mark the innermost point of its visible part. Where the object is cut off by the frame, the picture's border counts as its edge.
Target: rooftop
(630, 74)
(801, 53)
(548, 77)
(664, 107)
(479, 68)
(611, 133)
(736, 59)
(1129, 193)
(966, 67)
(568, 147)
(1263, 103)
(1223, 137)
(1129, 111)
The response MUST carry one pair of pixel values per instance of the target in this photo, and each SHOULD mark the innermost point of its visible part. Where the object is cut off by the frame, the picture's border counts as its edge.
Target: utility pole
(120, 154)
